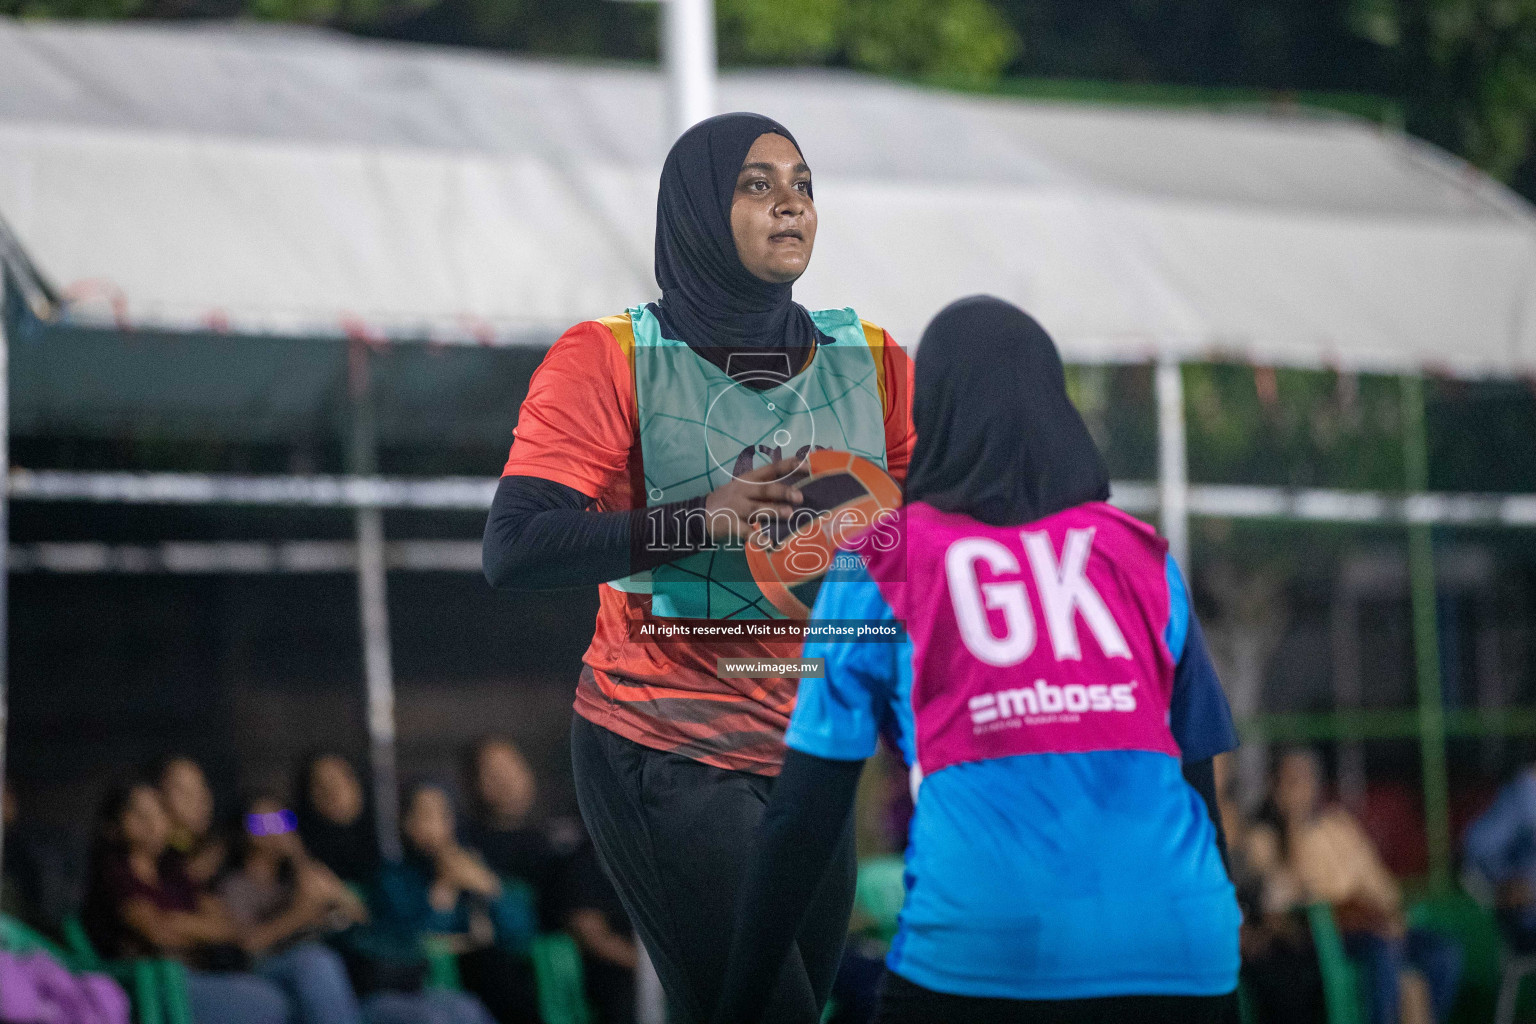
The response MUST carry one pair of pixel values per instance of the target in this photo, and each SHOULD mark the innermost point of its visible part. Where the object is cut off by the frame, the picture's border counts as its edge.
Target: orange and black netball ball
(845, 495)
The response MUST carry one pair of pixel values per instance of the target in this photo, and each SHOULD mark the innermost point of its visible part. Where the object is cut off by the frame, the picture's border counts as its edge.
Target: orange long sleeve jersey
(580, 427)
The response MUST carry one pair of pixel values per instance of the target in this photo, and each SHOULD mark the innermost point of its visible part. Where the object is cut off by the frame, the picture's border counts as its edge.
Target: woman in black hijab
(1058, 867)
(727, 288)
(1000, 440)
(646, 444)
(711, 298)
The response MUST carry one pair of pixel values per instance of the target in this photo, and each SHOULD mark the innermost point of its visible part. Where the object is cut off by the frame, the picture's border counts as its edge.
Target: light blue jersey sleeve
(1178, 610)
(838, 716)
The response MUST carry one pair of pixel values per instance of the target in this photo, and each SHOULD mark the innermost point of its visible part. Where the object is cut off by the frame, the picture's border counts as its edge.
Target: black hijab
(709, 300)
(997, 437)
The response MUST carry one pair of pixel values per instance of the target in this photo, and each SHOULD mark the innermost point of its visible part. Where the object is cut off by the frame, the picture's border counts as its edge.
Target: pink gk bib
(1034, 639)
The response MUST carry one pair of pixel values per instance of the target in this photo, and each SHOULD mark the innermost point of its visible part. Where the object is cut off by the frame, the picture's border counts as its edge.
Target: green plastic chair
(880, 892)
(1244, 1005)
(158, 987)
(16, 937)
(1341, 983)
(173, 983)
(442, 963)
(557, 972)
(141, 978)
(878, 896)
(558, 975)
(1459, 916)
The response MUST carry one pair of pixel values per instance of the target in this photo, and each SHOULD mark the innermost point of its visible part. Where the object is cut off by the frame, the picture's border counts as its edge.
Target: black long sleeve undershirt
(805, 817)
(543, 535)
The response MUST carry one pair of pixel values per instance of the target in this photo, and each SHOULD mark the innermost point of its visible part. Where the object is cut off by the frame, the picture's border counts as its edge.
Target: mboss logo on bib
(1044, 701)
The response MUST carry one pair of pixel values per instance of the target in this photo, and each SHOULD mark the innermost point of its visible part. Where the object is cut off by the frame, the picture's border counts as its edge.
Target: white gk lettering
(1064, 589)
(1045, 699)
(971, 597)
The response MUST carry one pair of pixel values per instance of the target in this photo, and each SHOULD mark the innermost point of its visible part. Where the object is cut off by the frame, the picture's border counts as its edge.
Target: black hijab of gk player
(997, 437)
(709, 300)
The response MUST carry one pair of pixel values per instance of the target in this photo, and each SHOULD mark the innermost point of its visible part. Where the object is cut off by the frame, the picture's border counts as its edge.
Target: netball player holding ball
(648, 442)
(1058, 709)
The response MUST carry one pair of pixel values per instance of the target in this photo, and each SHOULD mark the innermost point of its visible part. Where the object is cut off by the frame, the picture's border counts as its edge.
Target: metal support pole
(650, 1000)
(1345, 627)
(5, 531)
(688, 55)
(373, 608)
(1426, 641)
(1172, 467)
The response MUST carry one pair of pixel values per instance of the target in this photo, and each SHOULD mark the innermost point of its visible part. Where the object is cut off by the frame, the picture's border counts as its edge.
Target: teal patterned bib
(699, 428)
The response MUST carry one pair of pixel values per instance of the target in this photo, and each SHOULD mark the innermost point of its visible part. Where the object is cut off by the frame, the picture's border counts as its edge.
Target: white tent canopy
(287, 182)
(297, 182)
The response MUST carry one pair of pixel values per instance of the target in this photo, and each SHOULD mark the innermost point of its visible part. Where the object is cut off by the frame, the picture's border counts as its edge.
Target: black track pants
(676, 836)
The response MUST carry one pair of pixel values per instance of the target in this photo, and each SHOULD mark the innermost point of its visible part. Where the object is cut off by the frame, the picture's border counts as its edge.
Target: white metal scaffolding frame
(1172, 460)
(373, 609)
(1162, 333)
(1171, 497)
(473, 494)
(689, 59)
(688, 55)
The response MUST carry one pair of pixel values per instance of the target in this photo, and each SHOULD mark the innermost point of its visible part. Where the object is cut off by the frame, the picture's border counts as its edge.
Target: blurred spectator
(41, 871)
(571, 890)
(189, 802)
(1501, 848)
(141, 902)
(503, 791)
(445, 890)
(283, 900)
(1280, 971)
(1322, 854)
(595, 918)
(333, 817)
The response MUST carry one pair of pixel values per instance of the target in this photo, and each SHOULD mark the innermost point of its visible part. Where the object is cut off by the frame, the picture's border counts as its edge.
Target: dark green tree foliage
(1463, 71)
(342, 13)
(596, 29)
(1468, 69)
(960, 41)
(963, 42)
(348, 14)
(1294, 428)
(1261, 44)
(73, 8)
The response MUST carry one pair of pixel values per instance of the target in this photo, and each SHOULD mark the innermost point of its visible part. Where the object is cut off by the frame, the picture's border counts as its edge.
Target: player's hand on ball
(751, 499)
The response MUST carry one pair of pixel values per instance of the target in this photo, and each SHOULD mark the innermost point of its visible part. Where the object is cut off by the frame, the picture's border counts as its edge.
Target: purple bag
(36, 989)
